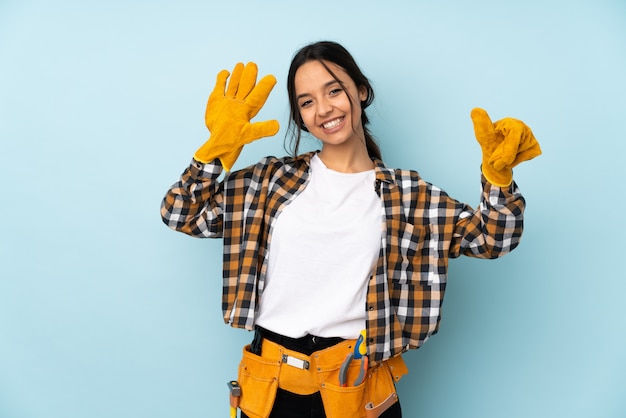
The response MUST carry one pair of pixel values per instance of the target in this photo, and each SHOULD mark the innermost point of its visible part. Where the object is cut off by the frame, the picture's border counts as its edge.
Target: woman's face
(324, 104)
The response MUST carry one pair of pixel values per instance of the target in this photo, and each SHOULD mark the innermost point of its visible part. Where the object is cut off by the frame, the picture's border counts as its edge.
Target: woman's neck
(346, 159)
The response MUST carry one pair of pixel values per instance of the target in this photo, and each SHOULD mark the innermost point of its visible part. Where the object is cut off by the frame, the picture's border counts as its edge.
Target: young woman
(338, 263)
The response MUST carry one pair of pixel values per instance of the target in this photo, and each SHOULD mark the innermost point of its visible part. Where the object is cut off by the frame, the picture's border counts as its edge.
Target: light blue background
(104, 312)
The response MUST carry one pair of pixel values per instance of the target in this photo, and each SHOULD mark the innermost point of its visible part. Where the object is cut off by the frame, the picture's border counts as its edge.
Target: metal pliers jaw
(359, 352)
(343, 372)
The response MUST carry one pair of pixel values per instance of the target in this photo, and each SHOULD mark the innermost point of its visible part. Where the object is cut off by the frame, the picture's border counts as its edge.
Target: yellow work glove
(505, 144)
(229, 111)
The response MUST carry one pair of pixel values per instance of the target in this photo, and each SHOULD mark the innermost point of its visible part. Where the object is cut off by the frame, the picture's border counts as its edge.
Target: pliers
(359, 352)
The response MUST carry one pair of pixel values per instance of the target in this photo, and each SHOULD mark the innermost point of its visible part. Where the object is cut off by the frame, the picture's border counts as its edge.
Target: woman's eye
(334, 92)
(305, 103)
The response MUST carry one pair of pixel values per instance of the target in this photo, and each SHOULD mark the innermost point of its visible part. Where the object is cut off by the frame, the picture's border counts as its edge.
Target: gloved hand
(505, 144)
(229, 111)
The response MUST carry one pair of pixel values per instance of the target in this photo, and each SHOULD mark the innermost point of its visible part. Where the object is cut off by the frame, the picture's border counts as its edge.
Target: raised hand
(229, 111)
(505, 144)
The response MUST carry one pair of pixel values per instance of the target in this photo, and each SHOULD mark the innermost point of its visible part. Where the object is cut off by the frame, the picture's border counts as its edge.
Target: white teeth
(332, 123)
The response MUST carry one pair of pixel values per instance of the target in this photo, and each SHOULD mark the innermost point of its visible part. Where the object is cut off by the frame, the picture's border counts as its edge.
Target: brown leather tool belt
(261, 375)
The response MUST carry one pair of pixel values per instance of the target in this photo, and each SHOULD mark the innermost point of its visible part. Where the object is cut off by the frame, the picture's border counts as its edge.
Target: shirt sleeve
(194, 204)
(495, 228)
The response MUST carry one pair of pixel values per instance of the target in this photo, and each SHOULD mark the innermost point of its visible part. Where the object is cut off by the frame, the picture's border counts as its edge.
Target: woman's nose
(324, 107)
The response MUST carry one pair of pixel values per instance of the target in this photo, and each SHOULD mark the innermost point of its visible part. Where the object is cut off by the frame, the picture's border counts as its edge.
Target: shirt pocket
(411, 255)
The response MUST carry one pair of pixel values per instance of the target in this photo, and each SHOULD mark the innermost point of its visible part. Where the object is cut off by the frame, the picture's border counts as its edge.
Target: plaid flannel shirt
(422, 228)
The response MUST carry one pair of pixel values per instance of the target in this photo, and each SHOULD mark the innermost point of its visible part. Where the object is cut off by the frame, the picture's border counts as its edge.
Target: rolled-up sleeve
(495, 228)
(194, 204)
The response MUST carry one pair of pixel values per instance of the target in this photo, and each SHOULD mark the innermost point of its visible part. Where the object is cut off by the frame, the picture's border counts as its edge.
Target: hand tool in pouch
(359, 352)
(235, 393)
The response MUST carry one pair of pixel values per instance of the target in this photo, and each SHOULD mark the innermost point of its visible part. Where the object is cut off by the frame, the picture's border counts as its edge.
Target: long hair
(326, 51)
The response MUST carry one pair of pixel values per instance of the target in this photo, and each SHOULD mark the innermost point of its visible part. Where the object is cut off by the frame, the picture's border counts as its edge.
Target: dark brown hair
(326, 51)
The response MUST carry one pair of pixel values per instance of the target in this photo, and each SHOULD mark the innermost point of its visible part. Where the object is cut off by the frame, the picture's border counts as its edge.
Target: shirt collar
(382, 172)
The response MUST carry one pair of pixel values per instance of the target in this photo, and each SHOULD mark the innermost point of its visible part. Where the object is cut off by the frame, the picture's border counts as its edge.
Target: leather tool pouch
(369, 399)
(259, 378)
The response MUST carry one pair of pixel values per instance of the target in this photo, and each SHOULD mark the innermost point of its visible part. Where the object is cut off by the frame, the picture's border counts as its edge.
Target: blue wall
(104, 312)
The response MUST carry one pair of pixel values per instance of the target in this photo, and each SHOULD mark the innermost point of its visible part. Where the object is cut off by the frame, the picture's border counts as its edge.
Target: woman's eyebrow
(325, 86)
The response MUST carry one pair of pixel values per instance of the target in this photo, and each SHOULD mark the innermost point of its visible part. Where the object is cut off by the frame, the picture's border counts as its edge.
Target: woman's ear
(363, 93)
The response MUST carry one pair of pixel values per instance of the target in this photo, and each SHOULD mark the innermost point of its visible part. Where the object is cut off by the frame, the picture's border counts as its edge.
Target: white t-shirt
(323, 250)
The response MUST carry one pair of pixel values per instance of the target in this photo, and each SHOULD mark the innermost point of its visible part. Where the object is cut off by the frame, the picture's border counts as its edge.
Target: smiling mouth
(332, 124)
